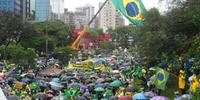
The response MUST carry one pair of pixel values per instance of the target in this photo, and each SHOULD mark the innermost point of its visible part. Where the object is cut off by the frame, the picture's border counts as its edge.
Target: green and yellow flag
(161, 78)
(133, 10)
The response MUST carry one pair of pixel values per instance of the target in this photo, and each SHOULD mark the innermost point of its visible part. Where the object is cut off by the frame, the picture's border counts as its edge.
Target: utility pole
(46, 37)
(46, 65)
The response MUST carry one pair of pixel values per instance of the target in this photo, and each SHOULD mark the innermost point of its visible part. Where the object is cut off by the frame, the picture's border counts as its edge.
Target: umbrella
(130, 89)
(150, 94)
(80, 98)
(124, 98)
(160, 98)
(67, 78)
(99, 89)
(100, 85)
(55, 80)
(91, 84)
(51, 72)
(56, 86)
(113, 98)
(13, 97)
(1, 78)
(60, 98)
(30, 75)
(116, 83)
(41, 96)
(116, 71)
(25, 80)
(83, 87)
(86, 94)
(100, 80)
(50, 95)
(2, 81)
(186, 97)
(139, 96)
(74, 85)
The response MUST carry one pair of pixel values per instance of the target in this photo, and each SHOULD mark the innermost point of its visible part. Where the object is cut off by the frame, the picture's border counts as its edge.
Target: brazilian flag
(161, 78)
(133, 10)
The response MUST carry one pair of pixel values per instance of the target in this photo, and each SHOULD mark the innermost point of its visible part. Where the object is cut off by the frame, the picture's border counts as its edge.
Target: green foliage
(63, 54)
(120, 36)
(106, 45)
(11, 27)
(21, 56)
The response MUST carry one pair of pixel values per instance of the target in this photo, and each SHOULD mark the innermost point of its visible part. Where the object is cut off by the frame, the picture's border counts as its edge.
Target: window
(0, 2)
(4, 8)
(5, 2)
(0, 8)
(10, 9)
(10, 2)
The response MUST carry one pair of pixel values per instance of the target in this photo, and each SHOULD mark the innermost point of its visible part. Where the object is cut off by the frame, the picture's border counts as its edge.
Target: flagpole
(97, 12)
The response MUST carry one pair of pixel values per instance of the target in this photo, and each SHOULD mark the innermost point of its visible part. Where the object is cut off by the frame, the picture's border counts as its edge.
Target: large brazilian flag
(161, 78)
(133, 10)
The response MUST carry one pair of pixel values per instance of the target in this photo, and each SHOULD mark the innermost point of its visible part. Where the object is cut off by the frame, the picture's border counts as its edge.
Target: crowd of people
(120, 83)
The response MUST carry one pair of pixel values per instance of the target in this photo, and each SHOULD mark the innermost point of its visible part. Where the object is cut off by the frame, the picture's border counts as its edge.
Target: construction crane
(76, 43)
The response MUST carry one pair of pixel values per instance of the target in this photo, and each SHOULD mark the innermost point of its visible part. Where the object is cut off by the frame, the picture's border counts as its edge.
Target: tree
(63, 54)
(21, 56)
(11, 27)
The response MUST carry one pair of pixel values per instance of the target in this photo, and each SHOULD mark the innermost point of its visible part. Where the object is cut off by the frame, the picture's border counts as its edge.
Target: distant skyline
(72, 4)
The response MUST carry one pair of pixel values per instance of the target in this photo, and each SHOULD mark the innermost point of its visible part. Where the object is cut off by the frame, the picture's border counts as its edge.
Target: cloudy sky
(72, 4)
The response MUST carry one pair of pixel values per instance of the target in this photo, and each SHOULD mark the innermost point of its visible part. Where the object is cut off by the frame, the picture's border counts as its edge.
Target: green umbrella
(99, 89)
(116, 83)
(33, 86)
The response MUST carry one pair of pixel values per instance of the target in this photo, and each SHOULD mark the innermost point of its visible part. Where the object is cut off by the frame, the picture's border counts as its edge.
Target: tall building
(89, 11)
(21, 7)
(12, 5)
(42, 10)
(119, 20)
(32, 6)
(83, 15)
(25, 6)
(57, 9)
(109, 17)
(69, 17)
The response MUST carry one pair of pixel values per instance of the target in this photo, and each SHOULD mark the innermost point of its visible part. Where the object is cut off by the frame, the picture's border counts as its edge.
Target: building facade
(69, 17)
(42, 10)
(109, 17)
(119, 20)
(32, 6)
(57, 9)
(83, 15)
(21, 7)
(25, 6)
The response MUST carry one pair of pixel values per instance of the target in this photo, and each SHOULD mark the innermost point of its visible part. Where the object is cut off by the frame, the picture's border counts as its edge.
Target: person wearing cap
(181, 81)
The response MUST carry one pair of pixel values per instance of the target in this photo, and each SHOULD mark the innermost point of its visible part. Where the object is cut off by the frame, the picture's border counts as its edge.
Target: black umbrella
(113, 98)
(41, 96)
(100, 85)
(130, 89)
(108, 79)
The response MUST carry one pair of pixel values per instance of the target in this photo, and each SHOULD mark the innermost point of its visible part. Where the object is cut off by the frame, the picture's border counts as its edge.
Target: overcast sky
(72, 4)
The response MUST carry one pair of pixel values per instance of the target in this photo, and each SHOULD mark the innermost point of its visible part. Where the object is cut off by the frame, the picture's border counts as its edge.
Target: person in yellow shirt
(195, 83)
(181, 81)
